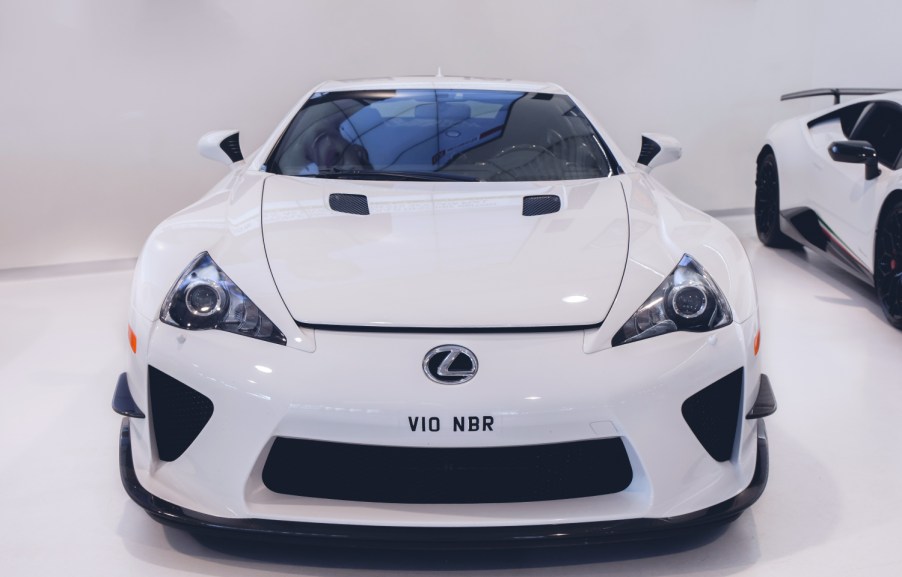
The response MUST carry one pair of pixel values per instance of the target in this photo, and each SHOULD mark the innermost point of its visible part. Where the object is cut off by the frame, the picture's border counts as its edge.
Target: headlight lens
(687, 300)
(206, 298)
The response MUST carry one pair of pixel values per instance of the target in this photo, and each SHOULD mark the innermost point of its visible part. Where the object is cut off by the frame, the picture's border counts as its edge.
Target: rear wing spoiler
(836, 93)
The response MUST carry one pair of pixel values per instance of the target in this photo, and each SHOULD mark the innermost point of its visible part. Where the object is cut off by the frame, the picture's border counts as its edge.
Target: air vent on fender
(179, 413)
(349, 203)
(713, 414)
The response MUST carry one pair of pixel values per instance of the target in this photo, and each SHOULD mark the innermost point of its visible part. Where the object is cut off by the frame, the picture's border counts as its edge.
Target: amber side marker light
(133, 341)
(757, 342)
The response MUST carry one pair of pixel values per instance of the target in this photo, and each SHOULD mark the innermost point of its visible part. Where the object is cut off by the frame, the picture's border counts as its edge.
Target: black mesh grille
(543, 204)
(650, 149)
(447, 475)
(231, 147)
(349, 203)
(713, 415)
(178, 413)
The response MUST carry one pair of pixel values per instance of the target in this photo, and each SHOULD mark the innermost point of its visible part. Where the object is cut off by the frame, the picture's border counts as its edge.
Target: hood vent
(349, 203)
(543, 204)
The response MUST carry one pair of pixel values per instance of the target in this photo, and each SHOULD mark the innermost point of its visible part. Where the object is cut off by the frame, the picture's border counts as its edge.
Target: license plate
(460, 424)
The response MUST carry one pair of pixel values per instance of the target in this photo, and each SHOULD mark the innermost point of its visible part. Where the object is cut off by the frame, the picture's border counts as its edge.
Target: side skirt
(803, 225)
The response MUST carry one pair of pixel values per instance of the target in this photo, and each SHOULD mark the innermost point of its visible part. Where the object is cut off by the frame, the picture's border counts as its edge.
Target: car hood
(445, 255)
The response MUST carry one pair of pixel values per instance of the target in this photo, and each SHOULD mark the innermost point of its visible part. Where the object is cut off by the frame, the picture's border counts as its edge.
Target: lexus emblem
(450, 365)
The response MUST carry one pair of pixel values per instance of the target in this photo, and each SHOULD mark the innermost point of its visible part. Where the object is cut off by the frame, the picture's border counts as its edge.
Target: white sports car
(809, 193)
(442, 312)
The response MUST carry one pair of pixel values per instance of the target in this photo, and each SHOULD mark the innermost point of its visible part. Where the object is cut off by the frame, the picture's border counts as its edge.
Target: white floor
(833, 505)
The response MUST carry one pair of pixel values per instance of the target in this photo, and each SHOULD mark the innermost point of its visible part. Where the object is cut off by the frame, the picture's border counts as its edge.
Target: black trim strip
(444, 330)
(766, 402)
(459, 538)
(123, 403)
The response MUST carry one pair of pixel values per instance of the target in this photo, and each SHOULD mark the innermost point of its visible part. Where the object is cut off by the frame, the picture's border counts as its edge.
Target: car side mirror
(221, 146)
(856, 152)
(658, 149)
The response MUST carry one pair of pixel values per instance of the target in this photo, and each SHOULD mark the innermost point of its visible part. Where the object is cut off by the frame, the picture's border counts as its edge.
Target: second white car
(832, 181)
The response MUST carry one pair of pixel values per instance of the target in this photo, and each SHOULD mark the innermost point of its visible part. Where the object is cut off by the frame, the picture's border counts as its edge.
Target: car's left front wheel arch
(888, 259)
(767, 202)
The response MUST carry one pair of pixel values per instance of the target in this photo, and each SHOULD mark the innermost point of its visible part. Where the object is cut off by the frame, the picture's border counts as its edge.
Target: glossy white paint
(423, 248)
(446, 254)
(556, 397)
(662, 230)
(225, 223)
(838, 192)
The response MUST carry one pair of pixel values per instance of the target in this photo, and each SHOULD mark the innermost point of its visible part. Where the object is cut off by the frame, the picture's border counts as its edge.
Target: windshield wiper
(358, 174)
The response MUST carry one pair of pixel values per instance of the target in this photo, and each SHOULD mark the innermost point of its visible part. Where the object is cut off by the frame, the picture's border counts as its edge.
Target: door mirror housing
(856, 152)
(221, 146)
(658, 149)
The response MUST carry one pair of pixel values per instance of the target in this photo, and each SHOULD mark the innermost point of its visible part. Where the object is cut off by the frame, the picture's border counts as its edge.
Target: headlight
(206, 298)
(687, 300)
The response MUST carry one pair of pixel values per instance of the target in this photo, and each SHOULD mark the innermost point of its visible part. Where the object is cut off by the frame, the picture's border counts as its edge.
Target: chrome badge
(450, 365)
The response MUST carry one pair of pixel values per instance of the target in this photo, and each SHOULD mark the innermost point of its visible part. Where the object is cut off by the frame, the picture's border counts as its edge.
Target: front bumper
(550, 535)
(541, 389)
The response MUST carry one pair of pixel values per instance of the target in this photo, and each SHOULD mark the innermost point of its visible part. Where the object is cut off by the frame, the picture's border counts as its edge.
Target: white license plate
(458, 424)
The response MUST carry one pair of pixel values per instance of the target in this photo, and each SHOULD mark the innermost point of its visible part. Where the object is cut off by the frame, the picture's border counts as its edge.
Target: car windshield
(444, 135)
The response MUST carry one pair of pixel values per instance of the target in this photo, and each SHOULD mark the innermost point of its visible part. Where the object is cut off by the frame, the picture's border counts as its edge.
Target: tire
(888, 264)
(767, 204)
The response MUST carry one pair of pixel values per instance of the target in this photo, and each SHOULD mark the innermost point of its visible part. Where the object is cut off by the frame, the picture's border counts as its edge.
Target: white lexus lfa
(442, 312)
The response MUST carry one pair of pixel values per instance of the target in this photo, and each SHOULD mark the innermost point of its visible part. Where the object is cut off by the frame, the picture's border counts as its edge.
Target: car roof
(439, 82)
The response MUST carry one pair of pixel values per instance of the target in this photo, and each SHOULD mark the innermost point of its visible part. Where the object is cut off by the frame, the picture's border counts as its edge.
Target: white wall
(102, 101)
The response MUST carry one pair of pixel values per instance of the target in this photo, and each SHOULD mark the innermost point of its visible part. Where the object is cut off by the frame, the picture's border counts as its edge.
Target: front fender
(662, 230)
(226, 223)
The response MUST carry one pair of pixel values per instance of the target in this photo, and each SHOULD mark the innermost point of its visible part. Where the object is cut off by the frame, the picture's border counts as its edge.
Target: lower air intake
(713, 415)
(178, 413)
(379, 474)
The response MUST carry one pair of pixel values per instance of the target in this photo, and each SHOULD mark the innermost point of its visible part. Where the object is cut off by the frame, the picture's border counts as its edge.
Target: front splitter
(388, 537)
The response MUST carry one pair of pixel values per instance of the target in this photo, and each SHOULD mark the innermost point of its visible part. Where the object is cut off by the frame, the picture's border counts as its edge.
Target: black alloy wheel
(888, 264)
(767, 205)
